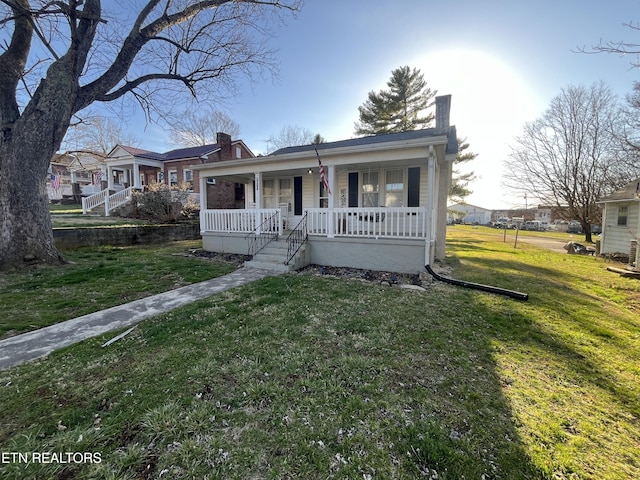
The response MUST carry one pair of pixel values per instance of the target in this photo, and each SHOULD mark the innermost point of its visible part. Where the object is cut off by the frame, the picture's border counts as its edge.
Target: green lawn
(98, 278)
(307, 377)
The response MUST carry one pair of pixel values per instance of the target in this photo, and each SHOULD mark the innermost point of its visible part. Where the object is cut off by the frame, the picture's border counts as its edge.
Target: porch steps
(272, 257)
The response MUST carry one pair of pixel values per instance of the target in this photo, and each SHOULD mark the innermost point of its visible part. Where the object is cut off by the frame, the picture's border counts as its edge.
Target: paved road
(548, 243)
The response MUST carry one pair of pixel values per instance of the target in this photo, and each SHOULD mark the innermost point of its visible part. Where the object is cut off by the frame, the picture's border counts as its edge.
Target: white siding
(617, 239)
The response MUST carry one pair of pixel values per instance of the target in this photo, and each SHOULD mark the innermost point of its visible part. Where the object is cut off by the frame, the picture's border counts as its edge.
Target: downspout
(478, 286)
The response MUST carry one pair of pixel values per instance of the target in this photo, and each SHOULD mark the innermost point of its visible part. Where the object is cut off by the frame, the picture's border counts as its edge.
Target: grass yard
(98, 278)
(313, 377)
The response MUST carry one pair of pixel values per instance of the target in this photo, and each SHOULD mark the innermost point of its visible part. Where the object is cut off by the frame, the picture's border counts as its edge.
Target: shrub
(161, 203)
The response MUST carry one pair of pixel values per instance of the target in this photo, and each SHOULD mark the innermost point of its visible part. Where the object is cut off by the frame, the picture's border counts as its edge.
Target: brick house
(127, 168)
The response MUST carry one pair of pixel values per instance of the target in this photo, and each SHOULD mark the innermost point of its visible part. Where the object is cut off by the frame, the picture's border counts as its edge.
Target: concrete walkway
(39, 343)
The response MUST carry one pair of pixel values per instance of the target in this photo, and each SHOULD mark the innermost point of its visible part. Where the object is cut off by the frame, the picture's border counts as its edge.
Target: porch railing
(296, 239)
(117, 199)
(392, 222)
(109, 201)
(236, 220)
(378, 222)
(93, 201)
(264, 234)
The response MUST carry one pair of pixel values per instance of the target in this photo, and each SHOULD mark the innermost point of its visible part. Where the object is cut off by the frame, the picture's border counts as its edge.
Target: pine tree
(460, 181)
(399, 108)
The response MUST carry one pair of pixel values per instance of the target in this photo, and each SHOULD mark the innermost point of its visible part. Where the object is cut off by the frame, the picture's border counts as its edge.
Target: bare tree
(149, 51)
(289, 136)
(97, 134)
(196, 128)
(571, 156)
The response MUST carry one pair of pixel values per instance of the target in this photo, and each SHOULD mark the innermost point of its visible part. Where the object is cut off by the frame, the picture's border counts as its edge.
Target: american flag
(323, 176)
(97, 177)
(55, 182)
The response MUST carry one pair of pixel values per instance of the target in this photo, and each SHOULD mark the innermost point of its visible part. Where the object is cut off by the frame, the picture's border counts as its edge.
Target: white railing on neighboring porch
(381, 222)
(93, 201)
(240, 221)
(109, 201)
(393, 222)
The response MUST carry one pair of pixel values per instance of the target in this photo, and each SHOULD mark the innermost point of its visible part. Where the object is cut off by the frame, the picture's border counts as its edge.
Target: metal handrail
(257, 241)
(296, 238)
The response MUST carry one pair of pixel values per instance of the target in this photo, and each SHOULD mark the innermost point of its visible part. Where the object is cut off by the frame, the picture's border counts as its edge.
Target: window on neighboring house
(188, 178)
(173, 178)
(623, 213)
(324, 196)
(393, 188)
(269, 193)
(370, 188)
(238, 152)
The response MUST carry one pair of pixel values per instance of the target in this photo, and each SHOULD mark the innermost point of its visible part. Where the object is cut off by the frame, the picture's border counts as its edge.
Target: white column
(431, 206)
(109, 178)
(136, 176)
(203, 193)
(258, 193)
(331, 173)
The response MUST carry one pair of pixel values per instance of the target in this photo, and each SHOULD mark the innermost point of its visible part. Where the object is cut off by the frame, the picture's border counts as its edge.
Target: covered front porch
(376, 202)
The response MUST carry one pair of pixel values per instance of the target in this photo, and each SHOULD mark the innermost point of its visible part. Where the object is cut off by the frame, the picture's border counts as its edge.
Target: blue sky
(502, 62)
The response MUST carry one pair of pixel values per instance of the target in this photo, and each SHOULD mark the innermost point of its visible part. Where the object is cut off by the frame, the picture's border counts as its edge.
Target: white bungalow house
(621, 221)
(384, 208)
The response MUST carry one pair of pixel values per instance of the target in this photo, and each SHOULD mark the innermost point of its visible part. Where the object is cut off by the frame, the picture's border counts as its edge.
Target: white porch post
(431, 205)
(331, 174)
(203, 193)
(110, 178)
(136, 176)
(258, 194)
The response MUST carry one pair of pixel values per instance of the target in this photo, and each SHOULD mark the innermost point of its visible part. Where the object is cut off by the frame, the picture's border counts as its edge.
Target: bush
(161, 203)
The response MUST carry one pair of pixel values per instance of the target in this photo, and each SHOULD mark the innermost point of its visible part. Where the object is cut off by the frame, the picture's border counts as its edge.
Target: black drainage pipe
(478, 286)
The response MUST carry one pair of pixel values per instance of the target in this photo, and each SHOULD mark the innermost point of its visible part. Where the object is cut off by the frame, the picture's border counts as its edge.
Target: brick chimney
(224, 142)
(443, 110)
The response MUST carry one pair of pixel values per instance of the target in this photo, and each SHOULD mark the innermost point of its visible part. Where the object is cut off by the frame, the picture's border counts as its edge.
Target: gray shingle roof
(176, 154)
(628, 192)
(452, 145)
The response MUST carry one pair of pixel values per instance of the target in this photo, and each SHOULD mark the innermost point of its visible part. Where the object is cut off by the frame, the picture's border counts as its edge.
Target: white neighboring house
(469, 214)
(621, 220)
(384, 208)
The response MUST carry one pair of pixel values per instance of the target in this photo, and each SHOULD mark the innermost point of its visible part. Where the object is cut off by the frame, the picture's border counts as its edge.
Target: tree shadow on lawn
(562, 315)
(292, 376)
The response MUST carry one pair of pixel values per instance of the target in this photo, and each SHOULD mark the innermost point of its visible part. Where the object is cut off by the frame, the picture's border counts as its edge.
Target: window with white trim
(188, 177)
(324, 197)
(623, 215)
(370, 189)
(173, 178)
(285, 192)
(268, 193)
(394, 188)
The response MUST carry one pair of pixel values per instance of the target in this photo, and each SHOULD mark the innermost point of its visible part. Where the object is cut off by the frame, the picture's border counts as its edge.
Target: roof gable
(630, 191)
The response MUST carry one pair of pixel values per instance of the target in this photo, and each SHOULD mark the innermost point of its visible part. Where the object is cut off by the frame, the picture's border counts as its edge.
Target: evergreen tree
(460, 181)
(399, 108)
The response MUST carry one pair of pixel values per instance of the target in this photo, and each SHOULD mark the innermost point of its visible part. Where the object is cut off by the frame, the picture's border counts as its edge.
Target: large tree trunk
(26, 149)
(26, 235)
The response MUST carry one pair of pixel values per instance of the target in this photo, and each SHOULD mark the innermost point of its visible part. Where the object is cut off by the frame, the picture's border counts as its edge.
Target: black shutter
(353, 189)
(297, 195)
(413, 195)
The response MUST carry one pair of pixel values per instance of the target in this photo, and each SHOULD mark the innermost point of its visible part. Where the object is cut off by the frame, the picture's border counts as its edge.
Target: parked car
(596, 229)
(504, 222)
(533, 225)
(574, 227)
